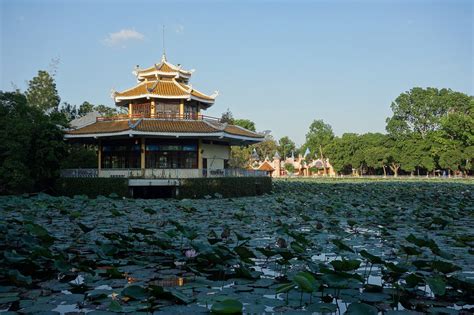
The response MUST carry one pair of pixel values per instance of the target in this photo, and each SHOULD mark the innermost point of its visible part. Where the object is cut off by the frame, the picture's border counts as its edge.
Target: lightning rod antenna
(163, 38)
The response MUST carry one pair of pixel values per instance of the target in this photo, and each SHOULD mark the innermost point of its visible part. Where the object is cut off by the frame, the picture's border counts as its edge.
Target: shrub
(225, 186)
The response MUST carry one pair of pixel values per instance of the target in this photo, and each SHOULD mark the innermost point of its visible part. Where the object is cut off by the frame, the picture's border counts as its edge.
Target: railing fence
(161, 173)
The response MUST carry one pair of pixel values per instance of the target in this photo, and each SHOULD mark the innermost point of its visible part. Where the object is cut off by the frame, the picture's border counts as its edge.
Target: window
(143, 109)
(171, 155)
(120, 155)
(167, 109)
(190, 112)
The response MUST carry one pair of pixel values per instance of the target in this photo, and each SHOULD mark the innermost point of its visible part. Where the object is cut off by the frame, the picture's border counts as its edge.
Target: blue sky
(281, 64)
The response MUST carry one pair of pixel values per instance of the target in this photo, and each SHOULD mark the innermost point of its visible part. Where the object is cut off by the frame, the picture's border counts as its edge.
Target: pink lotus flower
(190, 253)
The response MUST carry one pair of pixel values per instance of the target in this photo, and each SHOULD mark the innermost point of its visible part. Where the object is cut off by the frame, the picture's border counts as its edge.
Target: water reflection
(171, 282)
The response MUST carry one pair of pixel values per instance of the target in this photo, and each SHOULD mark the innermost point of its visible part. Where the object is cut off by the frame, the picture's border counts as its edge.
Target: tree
(341, 151)
(15, 138)
(468, 159)
(458, 124)
(85, 108)
(394, 155)
(266, 148)
(377, 157)
(227, 117)
(319, 136)
(415, 154)
(31, 143)
(245, 123)
(420, 110)
(451, 158)
(370, 153)
(80, 156)
(42, 92)
(289, 168)
(105, 110)
(285, 146)
(239, 157)
(69, 111)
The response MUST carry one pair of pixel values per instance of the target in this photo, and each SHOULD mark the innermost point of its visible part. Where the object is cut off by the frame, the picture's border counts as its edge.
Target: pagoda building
(163, 132)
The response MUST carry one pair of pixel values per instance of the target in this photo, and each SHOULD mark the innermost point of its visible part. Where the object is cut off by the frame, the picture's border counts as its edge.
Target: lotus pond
(333, 247)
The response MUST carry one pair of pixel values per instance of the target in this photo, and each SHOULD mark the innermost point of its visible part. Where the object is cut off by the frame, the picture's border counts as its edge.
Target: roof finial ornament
(163, 57)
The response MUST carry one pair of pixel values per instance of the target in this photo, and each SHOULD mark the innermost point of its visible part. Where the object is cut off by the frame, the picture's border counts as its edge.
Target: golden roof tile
(191, 126)
(102, 127)
(159, 88)
(163, 126)
(236, 130)
(163, 88)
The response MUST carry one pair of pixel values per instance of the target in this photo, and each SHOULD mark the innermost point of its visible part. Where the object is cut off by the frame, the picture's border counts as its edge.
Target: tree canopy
(421, 110)
(286, 146)
(430, 129)
(31, 143)
(245, 123)
(42, 92)
(320, 134)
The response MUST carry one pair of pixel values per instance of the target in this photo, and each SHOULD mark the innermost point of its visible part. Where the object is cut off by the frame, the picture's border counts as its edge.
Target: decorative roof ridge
(217, 127)
(213, 95)
(177, 68)
(180, 86)
(245, 129)
(153, 86)
(139, 83)
(114, 93)
(134, 125)
(191, 89)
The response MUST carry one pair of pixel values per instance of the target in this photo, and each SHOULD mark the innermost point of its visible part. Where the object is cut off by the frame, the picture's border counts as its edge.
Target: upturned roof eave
(120, 99)
(132, 133)
(186, 92)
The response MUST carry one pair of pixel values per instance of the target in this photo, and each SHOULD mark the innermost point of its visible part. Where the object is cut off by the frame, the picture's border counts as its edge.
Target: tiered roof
(158, 127)
(164, 68)
(166, 81)
(163, 89)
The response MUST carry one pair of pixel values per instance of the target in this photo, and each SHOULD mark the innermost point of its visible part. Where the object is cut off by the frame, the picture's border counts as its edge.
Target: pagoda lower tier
(160, 148)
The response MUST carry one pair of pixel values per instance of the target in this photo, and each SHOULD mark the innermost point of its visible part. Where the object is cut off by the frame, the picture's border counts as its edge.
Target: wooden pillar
(199, 154)
(99, 158)
(181, 109)
(153, 108)
(130, 109)
(142, 156)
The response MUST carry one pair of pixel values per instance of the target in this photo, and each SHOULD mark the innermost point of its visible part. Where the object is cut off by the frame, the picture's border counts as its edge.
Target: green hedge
(190, 188)
(92, 187)
(225, 186)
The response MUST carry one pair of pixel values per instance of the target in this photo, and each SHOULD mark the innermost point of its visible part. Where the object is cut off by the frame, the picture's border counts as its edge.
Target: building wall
(215, 155)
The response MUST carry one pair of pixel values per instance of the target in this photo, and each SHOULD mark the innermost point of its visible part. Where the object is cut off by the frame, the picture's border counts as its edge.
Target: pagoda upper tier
(163, 81)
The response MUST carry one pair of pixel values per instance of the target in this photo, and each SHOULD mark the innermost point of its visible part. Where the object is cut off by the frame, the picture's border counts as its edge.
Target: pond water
(328, 248)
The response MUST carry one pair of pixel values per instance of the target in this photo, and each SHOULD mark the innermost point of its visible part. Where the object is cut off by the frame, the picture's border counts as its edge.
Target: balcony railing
(162, 116)
(160, 173)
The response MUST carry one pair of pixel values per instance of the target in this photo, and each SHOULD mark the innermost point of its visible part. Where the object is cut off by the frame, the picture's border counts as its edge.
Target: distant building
(276, 166)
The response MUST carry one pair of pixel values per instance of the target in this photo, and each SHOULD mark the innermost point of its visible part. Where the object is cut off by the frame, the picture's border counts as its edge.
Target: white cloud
(121, 37)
